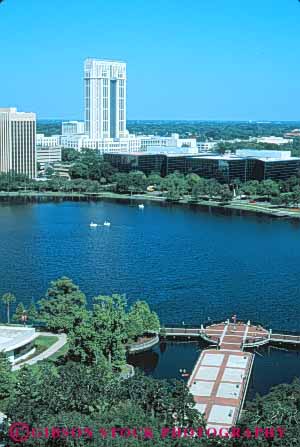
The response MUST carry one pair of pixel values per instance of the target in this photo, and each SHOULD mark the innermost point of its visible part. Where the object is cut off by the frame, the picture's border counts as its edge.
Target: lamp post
(24, 318)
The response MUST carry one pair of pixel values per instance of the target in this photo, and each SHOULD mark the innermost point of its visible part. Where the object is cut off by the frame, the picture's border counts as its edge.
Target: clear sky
(187, 59)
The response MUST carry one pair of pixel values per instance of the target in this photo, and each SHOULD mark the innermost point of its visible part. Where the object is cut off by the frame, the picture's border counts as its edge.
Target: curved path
(62, 340)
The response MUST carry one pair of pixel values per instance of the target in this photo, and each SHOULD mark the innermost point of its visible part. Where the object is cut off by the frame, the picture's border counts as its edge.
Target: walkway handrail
(180, 330)
(143, 346)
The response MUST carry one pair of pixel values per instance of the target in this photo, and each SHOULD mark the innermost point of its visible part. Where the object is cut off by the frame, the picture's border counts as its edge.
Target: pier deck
(219, 383)
(220, 377)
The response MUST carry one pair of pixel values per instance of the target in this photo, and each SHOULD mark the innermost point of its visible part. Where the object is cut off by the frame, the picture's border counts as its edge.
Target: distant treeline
(202, 130)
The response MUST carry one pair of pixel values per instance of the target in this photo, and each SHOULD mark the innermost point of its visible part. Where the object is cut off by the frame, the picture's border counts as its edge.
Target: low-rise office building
(279, 141)
(224, 168)
(72, 128)
(17, 342)
(206, 146)
(128, 144)
(47, 155)
(46, 141)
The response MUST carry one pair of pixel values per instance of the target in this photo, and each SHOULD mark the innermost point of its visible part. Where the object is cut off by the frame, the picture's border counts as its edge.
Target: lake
(190, 265)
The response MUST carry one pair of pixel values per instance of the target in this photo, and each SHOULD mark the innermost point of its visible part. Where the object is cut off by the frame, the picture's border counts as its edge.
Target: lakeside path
(62, 340)
(238, 205)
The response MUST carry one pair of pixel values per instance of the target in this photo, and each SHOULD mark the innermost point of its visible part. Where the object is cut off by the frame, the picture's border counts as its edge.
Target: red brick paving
(230, 338)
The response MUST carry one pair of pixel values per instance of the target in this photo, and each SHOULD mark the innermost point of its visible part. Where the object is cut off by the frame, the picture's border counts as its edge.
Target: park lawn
(41, 344)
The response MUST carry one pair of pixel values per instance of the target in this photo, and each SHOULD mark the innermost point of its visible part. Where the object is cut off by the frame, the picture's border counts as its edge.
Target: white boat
(106, 224)
(93, 225)
(141, 206)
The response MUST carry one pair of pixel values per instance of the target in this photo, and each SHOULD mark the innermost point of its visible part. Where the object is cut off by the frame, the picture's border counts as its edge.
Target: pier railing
(139, 347)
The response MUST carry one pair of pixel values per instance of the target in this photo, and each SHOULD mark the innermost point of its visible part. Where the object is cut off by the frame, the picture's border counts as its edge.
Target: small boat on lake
(141, 206)
(93, 225)
(106, 224)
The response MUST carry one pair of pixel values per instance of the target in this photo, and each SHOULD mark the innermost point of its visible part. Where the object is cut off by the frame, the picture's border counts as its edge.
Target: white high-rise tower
(17, 142)
(105, 98)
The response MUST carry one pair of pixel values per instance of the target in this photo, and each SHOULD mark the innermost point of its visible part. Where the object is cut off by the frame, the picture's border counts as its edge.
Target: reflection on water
(272, 365)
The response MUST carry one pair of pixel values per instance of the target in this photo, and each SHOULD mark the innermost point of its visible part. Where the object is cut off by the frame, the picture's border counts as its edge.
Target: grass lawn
(41, 344)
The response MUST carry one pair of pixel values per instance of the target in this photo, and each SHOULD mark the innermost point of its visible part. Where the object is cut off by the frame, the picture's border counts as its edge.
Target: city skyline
(201, 61)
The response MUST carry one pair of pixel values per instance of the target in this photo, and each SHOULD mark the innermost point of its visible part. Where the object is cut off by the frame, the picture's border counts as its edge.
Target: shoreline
(244, 207)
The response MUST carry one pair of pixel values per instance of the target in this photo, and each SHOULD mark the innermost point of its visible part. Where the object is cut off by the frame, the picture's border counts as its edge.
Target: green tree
(122, 182)
(198, 189)
(70, 154)
(8, 299)
(277, 200)
(109, 320)
(191, 181)
(281, 407)
(32, 312)
(64, 306)
(7, 379)
(137, 181)
(296, 195)
(212, 188)
(225, 194)
(154, 179)
(175, 185)
(269, 188)
(20, 310)
(250, 188)
(141, 320)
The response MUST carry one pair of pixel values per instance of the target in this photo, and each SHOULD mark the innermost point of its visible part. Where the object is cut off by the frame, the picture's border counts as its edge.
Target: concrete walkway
(62, 340)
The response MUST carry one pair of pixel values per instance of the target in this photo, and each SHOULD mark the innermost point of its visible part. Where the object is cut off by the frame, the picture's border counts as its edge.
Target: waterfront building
(105, 98)
(17, 142)
(46, 156)
(72, 128)
(47, 141)
(17, 342)
(224, 168)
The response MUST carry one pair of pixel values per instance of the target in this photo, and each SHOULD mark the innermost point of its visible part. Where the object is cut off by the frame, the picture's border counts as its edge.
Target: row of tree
(22, 314)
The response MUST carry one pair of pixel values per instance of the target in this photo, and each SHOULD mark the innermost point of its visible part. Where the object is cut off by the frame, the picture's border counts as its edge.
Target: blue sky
(191, 59)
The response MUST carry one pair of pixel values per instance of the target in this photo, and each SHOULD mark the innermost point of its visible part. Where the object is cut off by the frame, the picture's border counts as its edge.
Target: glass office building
(224, 168)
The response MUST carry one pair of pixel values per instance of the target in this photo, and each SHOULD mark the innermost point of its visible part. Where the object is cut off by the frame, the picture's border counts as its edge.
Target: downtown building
(105, 106)
(105, 99)
(17, 142)
(245, 165)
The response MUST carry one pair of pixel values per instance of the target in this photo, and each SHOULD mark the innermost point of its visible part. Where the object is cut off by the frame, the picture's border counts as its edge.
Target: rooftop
(13, 337)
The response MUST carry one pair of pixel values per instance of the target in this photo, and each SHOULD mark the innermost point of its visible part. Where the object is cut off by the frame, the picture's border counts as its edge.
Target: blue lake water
(188, 264)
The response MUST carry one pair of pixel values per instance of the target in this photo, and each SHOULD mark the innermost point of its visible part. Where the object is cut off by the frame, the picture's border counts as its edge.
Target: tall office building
(17, 142)
(105, 98)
